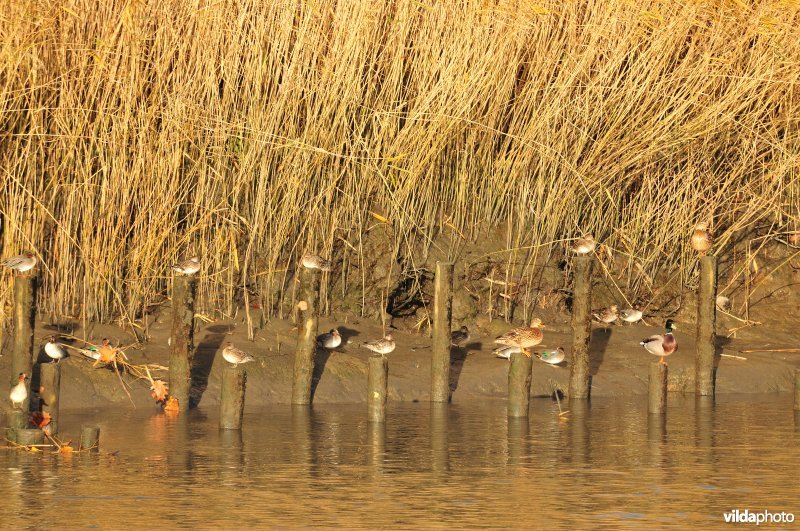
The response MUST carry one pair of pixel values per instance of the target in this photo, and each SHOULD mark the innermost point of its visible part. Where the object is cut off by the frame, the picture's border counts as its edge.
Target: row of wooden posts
(22, 359)
(234, 378)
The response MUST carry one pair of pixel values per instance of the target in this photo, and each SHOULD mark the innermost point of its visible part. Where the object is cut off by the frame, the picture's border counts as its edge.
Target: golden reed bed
(136, 133)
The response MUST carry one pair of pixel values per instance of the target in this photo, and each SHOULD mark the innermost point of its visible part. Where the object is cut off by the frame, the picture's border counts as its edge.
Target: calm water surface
(452, 467)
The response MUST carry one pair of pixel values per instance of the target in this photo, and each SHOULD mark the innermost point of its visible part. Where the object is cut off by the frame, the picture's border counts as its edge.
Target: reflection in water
(518, 440)
(440, 451)
(458, 465)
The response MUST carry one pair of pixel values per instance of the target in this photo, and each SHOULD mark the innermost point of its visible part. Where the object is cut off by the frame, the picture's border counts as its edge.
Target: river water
(467, 465)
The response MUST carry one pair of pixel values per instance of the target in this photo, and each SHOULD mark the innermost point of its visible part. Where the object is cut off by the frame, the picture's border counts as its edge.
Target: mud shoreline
(619, 365)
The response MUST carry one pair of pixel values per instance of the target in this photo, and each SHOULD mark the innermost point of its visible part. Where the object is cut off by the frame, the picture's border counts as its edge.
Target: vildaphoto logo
(763, 517)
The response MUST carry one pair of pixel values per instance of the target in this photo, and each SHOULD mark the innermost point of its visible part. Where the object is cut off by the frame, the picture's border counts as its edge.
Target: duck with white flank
(19, 393)
(329, 340)
(22, 263)
(662, 345)
(55, 350)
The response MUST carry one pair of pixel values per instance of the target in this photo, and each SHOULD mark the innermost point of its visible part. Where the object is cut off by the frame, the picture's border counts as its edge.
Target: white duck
(19, 393)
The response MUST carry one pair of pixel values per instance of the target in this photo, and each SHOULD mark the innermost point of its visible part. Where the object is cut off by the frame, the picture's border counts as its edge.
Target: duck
(381, 346)
(701, 240)
(523, 337)
(54, 349)
(190, 266)
(553, 357)
(584, 245)
(662, 345)
(235, 356)
(313, 261)
(506, 352)
(607, 315)
(458, 338)
(106, 353)
(632, 315)
(19, 393)
(330, 339)
(22, 262)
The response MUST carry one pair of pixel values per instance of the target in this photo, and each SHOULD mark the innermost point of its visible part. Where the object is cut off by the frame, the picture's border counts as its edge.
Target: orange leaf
(171, 404)
(39, 419)
(159, 390)
(66, 449)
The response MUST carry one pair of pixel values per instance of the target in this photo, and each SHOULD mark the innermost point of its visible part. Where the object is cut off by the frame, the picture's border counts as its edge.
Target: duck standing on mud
(19, 393)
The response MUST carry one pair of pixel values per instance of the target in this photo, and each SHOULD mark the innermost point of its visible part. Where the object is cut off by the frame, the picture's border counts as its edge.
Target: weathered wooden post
(231, 402)
(30, 436)
(519, 385)
(706, 327)
(181, 351)
(377, 388)
(90, 438)
(797, 389)
(657, 391)
(579, 375)
(442, 312)
(24, 323)
(16, 419)
(307, 324)
(49, 390)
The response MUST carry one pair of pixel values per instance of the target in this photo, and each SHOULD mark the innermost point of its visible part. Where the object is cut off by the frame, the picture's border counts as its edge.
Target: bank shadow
(719, 346)
(347, 334)
(321, 357)
(598, 343)
(458, 355)
(203, 360)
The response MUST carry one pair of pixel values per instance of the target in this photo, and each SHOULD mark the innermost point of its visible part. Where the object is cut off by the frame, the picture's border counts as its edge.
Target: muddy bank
(619, 365)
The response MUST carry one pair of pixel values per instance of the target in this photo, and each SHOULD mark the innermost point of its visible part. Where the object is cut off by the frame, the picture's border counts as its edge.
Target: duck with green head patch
(662, 345)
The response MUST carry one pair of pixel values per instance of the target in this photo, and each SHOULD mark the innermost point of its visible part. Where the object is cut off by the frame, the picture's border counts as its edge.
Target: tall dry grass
(134, 132)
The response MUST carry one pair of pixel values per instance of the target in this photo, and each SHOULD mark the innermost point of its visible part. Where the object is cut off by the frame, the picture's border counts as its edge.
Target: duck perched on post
(662, 345)
(701, 240)
(54, 349)
(523, 337)
(381, 346)
(235, 356)
(21, 263)
(584, 245)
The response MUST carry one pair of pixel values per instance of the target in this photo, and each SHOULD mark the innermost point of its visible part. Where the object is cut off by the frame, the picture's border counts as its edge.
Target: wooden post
(30, 436)
(797, 389)
(442, 314)
(16, 418)
(579, 375)
(231, 402)
(49, 388)
(90, 438)
(307, 324)
(657, 392)
(706, 327)
(519, 385)
(24, 323)
(377, 388)
(181, 351)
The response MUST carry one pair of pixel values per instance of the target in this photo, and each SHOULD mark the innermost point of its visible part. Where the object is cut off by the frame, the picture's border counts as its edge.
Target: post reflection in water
(376, 447)
(518, 433)
(439, 437)
(797, 421)
(429, 466)
(579, 434)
